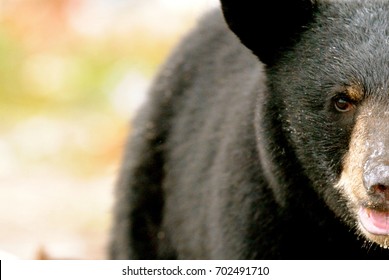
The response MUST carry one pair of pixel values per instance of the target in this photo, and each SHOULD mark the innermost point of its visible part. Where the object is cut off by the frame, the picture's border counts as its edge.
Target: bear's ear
(267, 26)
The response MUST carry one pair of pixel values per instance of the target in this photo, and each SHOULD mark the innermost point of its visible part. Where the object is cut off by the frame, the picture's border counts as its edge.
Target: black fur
(232, 159)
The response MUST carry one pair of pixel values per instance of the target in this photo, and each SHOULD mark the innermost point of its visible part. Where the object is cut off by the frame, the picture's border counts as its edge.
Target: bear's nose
(376, 180)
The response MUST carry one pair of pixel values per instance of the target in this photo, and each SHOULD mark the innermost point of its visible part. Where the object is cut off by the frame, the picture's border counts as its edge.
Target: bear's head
(327, 66)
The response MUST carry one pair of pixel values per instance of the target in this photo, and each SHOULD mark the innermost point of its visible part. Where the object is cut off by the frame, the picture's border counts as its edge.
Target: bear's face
(335, 86)
(330, 78)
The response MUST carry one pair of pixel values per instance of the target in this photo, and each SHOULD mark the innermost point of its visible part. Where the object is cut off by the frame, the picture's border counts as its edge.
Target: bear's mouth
(375, 222)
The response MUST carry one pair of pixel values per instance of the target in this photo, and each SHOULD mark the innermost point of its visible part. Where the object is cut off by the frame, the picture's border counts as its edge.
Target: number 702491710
(252, 270)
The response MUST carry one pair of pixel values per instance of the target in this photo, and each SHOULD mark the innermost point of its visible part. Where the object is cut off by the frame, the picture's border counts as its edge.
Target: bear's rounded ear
(267, 26)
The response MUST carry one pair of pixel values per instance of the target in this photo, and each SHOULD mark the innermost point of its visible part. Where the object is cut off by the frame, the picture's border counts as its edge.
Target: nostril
(379, 192)
(376, 178)
(378, 188)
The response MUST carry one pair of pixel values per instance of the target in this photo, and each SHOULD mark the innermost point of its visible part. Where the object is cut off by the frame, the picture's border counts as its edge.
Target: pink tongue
(374, 222)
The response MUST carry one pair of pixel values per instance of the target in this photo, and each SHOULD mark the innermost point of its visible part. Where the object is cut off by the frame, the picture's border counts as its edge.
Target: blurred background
(72, 75)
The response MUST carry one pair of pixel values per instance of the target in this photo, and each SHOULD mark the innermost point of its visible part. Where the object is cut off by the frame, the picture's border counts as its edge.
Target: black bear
(265, 137)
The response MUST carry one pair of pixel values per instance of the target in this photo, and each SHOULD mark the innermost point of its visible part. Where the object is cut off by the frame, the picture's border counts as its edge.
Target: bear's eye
(343, 104)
